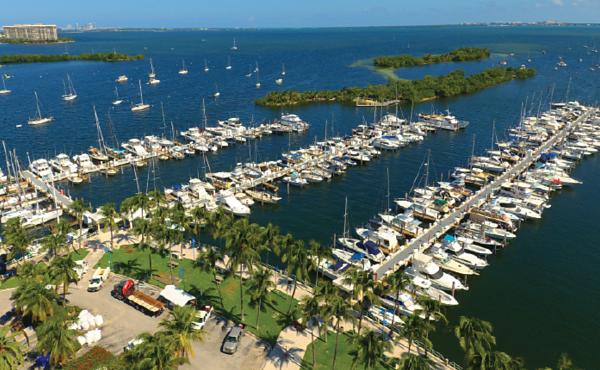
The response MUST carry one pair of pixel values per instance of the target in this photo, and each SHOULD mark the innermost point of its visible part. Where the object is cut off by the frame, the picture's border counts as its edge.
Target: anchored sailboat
(4, 90)
(117, 101)
(70, 93)
(206, 69)
(234, 47)
(228, 67)
(152, 80)
(183, 70)
(217, 93)
(140, 106)
(257, 79)
(38, 120)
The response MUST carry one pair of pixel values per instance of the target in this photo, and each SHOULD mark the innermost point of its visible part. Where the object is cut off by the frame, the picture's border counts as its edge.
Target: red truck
(126, 292)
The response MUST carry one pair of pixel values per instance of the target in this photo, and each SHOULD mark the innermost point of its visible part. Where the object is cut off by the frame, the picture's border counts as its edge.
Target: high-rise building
(31, 32)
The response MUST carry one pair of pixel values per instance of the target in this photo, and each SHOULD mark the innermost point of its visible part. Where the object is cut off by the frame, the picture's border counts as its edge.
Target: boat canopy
(371, 247)
(358, 256)
(449, 238)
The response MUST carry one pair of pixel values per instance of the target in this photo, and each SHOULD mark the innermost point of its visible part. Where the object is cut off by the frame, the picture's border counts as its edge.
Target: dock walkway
(61, 199)
(423, 241)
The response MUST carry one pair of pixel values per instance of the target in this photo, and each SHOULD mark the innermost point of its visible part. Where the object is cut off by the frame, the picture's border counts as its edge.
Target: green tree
(56, 242)
(475, 337)
(311, 313)
(180, 326)
(298, 264)
(411, 361)
(340, 311)
(15, 236)
(259, 288)
(156, 352)
(55, 338)
(369, 350)
(207, 261)
(242, 242)
(34, 302)
(62, 271)
(320, 252)
(11, 355)
(396, 283)
(414, 328)
(78, 209)
(110, 215)
(363, 291)
(142, 227)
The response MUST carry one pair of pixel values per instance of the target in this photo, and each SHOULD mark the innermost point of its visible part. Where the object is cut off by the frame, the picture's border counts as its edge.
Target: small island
(60, 40)
(49, 58)
(428, 88)
(468, 54)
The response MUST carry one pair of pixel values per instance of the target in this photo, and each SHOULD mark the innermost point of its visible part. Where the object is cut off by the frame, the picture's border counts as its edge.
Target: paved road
(423, 241)
(42, 186)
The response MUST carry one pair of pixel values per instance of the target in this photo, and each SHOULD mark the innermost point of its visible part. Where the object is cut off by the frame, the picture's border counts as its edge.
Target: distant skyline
(288, 13)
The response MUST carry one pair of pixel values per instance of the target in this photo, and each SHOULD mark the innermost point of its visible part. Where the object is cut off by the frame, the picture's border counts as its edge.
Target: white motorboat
(122, 79)
(470, 246)
(41, 168)
(141, 106)
(438, 295)
(229, 202)
(135, 147)
(295, 180)
(440, 278)
(357, 259)
(206, 69)
(369, 248)
(63, 165)
(38, 120)
(448, 263)
(85, 164)
(457, 251)
(405, 303)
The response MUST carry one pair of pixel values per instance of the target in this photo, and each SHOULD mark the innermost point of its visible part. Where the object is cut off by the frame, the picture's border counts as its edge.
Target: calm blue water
(541, 293)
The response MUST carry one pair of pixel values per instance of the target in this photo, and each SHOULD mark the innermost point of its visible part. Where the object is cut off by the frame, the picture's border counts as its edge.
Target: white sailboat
(183, 70)
(4, 90)
(279, 81)
(70, 93)
(249, 74)
(256, 68)
(38, 120)
(206, 69)
(152, 80)
(217, 93)
(228, 67)
(257, 81)
(234, 47)
(117, 101)
(282, 69)
(141, 105)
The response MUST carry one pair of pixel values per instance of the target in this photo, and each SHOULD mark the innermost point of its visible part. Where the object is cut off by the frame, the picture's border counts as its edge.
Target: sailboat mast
(101, 143)
(204, 119)
(345, 217)
(388, 189)
(37, 105)
(427, 169)
(141, 95)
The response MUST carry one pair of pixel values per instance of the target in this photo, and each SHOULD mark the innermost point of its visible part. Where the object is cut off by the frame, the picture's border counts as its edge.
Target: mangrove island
(60, 40)
(468, 54)
(429, 88)
(48, 58)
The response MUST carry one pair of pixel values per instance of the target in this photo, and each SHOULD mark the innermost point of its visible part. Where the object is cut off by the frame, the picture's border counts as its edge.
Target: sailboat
(228, 67)
(249, 74)
(140, 106)
(282, 69)
(234, 47)
(70, 93)
(4, 90)
(206, 69)
(38, 120)
(256, 68)
(152, 80)
(217, 93)
(257, 81)
(98, 154)
(117, 101)
(183, 70)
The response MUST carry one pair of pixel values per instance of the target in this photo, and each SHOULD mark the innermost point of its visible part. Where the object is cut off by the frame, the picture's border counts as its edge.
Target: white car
(202, 317)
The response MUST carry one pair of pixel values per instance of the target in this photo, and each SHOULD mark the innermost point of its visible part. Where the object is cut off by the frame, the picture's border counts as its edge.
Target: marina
(304, 175)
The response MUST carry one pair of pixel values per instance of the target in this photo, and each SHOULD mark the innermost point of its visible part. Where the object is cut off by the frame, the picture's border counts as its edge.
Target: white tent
(176, 296)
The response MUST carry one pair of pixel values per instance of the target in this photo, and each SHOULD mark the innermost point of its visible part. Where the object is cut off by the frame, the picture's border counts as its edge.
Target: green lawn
(325, 351)
(132, 262)
(79, 254)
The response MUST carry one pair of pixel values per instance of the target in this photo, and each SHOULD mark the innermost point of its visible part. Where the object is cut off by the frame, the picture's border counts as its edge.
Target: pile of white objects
(90, 324)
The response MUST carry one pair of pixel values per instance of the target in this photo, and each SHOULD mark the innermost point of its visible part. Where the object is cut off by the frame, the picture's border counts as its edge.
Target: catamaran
(183, 70)
(117, 101)
(228, 67)
(141, 105)
(4, 90)
(70, 93)
(38, 120)
(234, 47)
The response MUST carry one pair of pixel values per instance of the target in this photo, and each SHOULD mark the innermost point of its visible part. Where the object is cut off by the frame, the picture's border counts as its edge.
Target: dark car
(232, 339)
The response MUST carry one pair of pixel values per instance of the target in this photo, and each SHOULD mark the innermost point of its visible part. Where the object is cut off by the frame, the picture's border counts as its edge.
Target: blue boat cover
(371, 247)
(357, 256)
(337, 265)
(449, 238)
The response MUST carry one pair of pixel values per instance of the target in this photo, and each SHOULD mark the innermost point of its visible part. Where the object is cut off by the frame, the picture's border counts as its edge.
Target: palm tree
(397, 282)
(197, 221)
(338, 308)
(207, 261)
(14, 235)
(78, 209)
(33, 301)
(180, 325)
(142, 227)
(411, 361)
(363, 290)
(156, 352)
(413, 329)
(30, 271)
(55, 242)
(220, 221)
(320, 252)
(298, 263)
(110, 214)
(271, 237)
(11, 355)
(259, 289)
(55, 338)
(62, 271)
(474, 336)
(497, 360)
(370, 349)
(242, 240)
(432, 310)
(311, 313)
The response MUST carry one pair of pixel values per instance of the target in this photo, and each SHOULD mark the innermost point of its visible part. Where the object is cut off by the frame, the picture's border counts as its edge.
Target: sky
(293, 13)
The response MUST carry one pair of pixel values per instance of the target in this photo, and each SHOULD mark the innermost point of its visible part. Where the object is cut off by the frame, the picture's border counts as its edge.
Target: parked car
(232, 339)
(202, 317)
